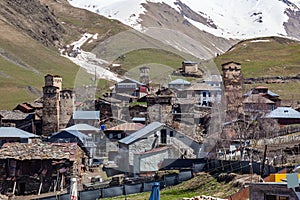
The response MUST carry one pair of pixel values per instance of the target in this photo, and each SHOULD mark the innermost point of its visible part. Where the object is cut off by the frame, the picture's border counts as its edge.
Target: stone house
(272, 191)
(29, 122)
(261, 99)
(284, 116)
(95, 133)
(74, 136)
(116, 133)
(189, 67)
(48, 166)
(151, 137)
(131, 87)
(204, 95)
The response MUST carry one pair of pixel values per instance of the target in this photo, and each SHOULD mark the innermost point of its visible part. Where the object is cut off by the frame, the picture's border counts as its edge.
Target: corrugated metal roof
(141, 133)
(82, 127)
(75, 133)
(80, 114)
(179, 82)
(284, 112)
(272, 93)
(10, 132)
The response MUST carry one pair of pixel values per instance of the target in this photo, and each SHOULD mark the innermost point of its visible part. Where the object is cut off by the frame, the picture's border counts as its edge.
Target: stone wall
(66, 108)
(50, 110)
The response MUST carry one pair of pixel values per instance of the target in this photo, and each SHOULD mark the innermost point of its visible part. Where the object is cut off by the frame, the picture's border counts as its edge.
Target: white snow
(234, 18)
(254, 41)
(89, 61)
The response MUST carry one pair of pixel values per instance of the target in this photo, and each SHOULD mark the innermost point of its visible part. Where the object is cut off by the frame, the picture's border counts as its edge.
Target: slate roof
(80, 114)
(39, 151)
(15, 115)
(179, 82)
(284, 113)
(82, 127)
(257, 98)
(203, 87)
(12, 132)
(127, 127)
(141, 133)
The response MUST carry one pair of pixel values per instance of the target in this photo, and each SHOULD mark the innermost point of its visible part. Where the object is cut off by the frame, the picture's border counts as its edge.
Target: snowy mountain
(227, 19)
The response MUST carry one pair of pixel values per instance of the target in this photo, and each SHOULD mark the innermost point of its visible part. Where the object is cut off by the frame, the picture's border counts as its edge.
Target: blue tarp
(155, 192)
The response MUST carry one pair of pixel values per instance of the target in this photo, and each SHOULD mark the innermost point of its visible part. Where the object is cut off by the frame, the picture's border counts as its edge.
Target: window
(276, 197)
(110, 136)
(119, 136)
(163, 136)
(171, 134)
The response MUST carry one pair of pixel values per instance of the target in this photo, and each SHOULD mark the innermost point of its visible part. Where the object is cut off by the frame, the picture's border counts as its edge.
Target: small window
(119, 136)
(163, 136)
(171, 134)
(110, 136)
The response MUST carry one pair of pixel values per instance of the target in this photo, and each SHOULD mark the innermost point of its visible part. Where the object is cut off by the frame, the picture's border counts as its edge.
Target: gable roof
(284, 112)
(80, 114)
(82, 127)
(12, 132)
(141, 133)
(257, 99)
(74, 133)
(179, 81)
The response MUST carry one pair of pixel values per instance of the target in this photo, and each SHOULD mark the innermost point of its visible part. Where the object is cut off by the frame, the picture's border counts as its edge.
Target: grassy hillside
(24, 61)
(268, 57)
(203, 184)
(265, 57)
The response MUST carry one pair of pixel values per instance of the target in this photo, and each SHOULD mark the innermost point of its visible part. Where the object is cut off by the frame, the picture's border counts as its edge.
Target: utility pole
(263, 162)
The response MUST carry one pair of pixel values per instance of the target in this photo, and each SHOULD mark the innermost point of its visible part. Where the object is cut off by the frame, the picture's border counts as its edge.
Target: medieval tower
(58, 105)
(144, 75)
(233, 85)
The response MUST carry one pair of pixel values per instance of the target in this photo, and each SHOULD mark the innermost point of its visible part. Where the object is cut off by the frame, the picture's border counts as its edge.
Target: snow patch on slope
(234, 18)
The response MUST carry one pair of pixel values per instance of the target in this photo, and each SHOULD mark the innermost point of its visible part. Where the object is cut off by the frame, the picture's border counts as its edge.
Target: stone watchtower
(144, 75)
(57, 105)
(233, 84)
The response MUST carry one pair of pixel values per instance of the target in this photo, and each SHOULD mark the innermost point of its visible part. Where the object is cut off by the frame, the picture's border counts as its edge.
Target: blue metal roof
(284, 112)
(139, 119)
(82, 127)
(179, 82)
(80, 114)
(272, 93)
(141, 133)
(12, 132)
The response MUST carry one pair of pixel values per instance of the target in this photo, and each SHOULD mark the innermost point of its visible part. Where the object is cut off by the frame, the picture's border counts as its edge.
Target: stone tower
(57, 105)
(233, 85)
(66, 108)
(144, 75)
